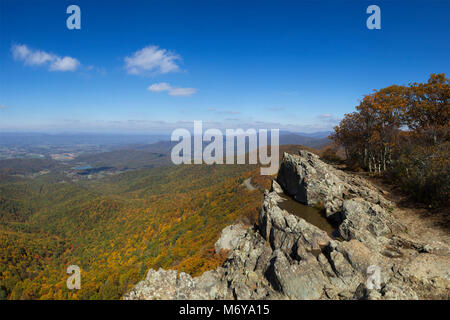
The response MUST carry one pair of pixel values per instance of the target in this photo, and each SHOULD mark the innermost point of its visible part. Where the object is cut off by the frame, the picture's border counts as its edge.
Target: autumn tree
(428, 108)
(403, 131)
(369, 134)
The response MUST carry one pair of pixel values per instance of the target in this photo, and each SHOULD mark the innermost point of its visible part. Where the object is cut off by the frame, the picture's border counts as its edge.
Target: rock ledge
(285, 257)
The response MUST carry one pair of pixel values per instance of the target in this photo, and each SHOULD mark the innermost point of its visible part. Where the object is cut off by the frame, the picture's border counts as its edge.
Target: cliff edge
(368, 256)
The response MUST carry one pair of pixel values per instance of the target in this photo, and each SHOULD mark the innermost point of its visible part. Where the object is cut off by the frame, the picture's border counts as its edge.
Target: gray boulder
(229, 237)
(313, 182)
(296, 279)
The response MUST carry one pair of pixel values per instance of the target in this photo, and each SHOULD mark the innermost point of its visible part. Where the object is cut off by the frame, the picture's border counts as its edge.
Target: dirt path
(423, 223)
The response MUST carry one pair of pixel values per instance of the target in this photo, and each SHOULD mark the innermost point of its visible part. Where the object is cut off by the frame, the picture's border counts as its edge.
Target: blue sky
(151, 66)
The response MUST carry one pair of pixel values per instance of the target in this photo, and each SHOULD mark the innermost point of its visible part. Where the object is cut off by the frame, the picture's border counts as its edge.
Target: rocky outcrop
(229, 237)
(286, 257)
(167, 285)
(313, 182)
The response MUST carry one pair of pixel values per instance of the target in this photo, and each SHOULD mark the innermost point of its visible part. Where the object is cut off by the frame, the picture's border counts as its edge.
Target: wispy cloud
(277, 108)
(31, 57)
(3, 107)
(152, 60)
(325, 116)
(223, 111)
(160, 87)
(100, 70)
(182, 91)
(329, 119)
(230, 112)
(173, 91)
(158, 126)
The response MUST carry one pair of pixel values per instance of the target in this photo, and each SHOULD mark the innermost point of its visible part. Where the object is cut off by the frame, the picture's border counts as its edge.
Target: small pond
(310, 214)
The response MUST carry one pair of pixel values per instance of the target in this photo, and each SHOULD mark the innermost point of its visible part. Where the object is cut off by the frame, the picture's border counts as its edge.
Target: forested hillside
(116, 228)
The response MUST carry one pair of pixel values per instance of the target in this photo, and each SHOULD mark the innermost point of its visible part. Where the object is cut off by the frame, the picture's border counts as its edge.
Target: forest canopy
(403, 132)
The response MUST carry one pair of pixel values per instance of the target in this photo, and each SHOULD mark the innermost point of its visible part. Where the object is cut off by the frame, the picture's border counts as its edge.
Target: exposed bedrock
(285, 257)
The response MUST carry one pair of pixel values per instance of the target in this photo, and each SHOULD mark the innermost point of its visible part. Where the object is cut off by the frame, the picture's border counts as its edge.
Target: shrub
(424, 172)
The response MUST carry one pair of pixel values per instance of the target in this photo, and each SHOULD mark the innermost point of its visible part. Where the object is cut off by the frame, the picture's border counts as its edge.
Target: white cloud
(159, 87)
(3, 107)
(64, 64)
(39, 58)
(182, 91)
(152, 60)
(20, 52)
(163, 86)
(36, 57)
